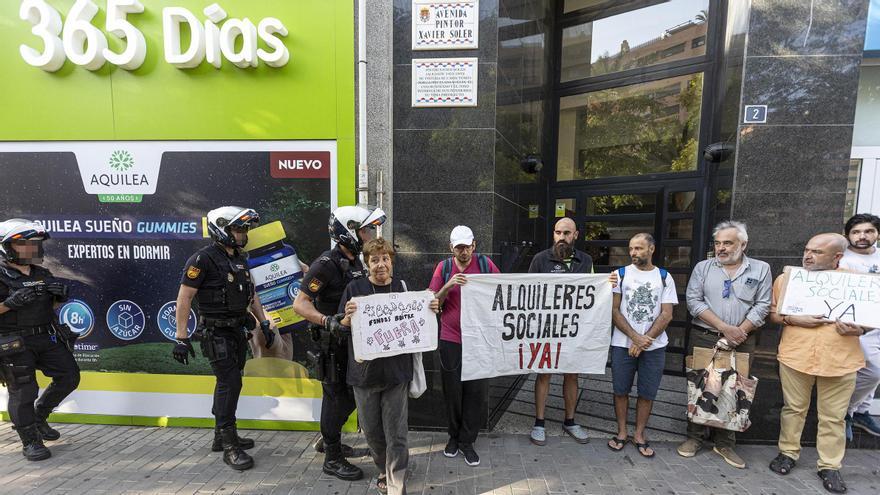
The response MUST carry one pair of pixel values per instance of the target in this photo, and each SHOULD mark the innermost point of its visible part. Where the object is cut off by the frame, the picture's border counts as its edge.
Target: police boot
(243, 443)
(347, 450)
(46, 431)
(335, 463)
(32, 444)
(232, 454)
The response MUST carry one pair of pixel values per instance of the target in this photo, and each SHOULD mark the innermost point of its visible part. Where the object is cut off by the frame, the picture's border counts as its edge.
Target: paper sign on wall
(390, 324)
(444, 82)
(445, 25)
(850, 297)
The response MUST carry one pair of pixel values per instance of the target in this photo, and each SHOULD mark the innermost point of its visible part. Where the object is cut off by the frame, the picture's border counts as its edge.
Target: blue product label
(167, 321)
(277, 282)
(125, 320)
(78, 316)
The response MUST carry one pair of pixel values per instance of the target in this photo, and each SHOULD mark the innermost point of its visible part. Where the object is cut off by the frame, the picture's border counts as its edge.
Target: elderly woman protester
(381, 385)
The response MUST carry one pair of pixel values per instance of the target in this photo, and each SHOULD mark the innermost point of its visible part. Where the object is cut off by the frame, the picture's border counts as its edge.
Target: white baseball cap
(461, 235)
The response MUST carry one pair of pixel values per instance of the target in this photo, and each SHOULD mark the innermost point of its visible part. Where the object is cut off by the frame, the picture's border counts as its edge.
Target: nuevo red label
(300, 164)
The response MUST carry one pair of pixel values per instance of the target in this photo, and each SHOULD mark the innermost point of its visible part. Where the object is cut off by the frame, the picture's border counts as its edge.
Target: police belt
(239, 321)
(26, 331)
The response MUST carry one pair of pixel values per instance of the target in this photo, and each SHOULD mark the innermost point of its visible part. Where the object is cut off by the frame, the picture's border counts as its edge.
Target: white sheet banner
(519, 323)
(845, 296)
(390, 324)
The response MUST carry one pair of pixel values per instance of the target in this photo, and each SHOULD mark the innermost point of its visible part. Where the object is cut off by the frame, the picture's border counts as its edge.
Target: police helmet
(19, 229)
(345, 221)
(222, 219)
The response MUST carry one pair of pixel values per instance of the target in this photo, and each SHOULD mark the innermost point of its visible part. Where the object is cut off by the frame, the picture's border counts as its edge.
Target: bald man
(816, 352)
(561, 258)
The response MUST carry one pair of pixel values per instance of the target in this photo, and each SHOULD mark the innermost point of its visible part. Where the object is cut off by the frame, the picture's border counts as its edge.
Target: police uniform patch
(193, 272)
(315, 285)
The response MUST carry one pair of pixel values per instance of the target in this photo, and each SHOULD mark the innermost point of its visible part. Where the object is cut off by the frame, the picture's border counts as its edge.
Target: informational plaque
(444, 82)
(445, 25)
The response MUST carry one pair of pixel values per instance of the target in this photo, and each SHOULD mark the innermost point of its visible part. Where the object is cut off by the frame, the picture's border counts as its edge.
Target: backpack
(482, 262)
(622, 270)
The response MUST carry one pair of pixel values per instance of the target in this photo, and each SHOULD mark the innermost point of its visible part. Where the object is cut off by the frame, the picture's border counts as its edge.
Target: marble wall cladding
(799, 27)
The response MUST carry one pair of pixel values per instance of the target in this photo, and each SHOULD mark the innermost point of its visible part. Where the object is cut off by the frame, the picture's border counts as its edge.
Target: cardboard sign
(836, 295)
(386, 325)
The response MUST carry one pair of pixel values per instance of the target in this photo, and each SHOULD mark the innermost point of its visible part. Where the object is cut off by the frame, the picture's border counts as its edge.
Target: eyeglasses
(726, 292)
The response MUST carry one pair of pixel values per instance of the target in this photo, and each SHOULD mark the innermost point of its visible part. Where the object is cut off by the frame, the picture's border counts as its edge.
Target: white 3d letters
(267, 29)
(136, 47)
(47, 26)
(172, 18)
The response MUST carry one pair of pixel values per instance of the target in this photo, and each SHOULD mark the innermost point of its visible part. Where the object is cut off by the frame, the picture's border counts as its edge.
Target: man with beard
(863, 256)
(465, 401)
(729, 297)
(641, 311)
(561, 258)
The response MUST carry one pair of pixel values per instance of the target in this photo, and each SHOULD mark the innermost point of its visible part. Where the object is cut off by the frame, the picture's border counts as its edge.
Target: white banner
(519, 323)
(845, 296)
(386, 325)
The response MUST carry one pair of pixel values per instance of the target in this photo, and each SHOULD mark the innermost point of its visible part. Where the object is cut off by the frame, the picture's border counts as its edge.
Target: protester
(381, 385)
(728, 296)
(642, 309)
(863, 256)
(816, 352)
(465, 401)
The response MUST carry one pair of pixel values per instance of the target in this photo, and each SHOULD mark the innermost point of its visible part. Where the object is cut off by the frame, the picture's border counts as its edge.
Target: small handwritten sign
(386, 325)
(836, 295)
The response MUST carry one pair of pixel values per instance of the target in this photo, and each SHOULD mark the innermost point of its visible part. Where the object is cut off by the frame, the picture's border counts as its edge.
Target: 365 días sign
(836, 295)
(390, 324)
(520, 323)
(445, 25)
(444, 82)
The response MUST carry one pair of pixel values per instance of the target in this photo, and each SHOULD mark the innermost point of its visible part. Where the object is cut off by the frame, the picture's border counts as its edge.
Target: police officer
(318, 301)
(30, 337)
(218, 278)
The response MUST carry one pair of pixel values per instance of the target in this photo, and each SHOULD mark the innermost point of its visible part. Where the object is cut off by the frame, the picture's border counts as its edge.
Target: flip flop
(382, 484)
(619, 444)
(644, 446)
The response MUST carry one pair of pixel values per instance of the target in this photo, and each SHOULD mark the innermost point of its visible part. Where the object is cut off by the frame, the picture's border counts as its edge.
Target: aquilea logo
(121, 163)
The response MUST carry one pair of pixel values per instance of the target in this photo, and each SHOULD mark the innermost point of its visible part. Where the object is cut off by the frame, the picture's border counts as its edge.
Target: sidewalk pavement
(93, 459)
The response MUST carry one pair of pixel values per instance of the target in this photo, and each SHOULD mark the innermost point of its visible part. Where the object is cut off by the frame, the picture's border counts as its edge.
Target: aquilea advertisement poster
(121, 161)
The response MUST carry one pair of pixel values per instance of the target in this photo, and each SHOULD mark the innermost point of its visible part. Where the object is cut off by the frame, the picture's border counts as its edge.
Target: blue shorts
(649, 365)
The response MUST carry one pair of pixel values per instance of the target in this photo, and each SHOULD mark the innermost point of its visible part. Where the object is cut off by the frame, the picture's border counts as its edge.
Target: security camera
(718, 152)
(531, 164)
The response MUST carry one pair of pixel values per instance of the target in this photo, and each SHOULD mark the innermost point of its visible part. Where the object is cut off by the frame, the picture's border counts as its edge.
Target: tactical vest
(327, 301)
(235, 295)
(38, 313)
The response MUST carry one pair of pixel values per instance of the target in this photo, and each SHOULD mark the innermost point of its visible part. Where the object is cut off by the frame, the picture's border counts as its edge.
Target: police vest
(234, 296)
(347, 270)
(38, 313)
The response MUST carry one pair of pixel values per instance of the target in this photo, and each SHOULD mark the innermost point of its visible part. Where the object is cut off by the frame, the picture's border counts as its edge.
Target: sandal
(642, 447)
(783, 464)
(832, 481)
(618, 444)
(382, 484)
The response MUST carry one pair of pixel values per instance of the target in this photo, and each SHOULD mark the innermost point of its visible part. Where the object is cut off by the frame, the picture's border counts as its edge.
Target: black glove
(268, 334)
(183, 347)
(332, 324)
(20, 298)
(59, 291)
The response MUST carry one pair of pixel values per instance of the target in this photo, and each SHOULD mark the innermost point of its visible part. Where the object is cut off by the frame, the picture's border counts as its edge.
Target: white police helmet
(221, 220)
(19, 229)
(345, 221)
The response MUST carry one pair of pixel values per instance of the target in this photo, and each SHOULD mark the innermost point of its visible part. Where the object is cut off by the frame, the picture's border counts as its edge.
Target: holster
(214, 347)
(326, 359)
(9, 346)
(68, 337)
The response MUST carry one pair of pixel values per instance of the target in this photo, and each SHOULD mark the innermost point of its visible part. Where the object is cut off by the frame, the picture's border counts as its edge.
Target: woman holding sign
(381, 385)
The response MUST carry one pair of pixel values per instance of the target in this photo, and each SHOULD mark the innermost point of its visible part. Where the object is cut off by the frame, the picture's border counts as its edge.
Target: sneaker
(848, 428)
(730, 457)
(451, 449)
(470, 455)
(577, 432)
(689, 448)
(865, 422)
(538, 435)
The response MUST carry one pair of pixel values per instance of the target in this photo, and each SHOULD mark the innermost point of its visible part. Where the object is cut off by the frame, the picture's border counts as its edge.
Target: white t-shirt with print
(861, 263)
(642, 294)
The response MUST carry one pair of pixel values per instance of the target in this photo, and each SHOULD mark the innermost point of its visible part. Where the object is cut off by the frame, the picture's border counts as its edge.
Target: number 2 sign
(755, 114)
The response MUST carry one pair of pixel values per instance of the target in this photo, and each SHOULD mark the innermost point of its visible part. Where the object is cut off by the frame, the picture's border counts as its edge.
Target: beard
(861, 244)
(734, 257)
(639, 261)
(563, 250)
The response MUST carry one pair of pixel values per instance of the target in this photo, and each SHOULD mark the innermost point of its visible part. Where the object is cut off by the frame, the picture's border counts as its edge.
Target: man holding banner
(465, 400)
(816, 351)
(561, 258)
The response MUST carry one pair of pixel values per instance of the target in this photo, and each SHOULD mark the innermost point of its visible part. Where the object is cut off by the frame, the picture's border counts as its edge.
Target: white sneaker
(577, 432)
(538, 436)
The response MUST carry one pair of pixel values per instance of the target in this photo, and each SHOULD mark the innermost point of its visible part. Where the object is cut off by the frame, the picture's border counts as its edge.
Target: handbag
(720, 397)
(418, 384)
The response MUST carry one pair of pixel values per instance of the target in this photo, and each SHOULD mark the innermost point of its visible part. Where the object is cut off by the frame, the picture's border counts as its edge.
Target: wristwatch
(264, 325)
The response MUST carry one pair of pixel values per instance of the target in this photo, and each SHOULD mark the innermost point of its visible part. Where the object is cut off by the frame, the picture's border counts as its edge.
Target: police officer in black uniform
(318, 301)
(218, 278)
(30, 336)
